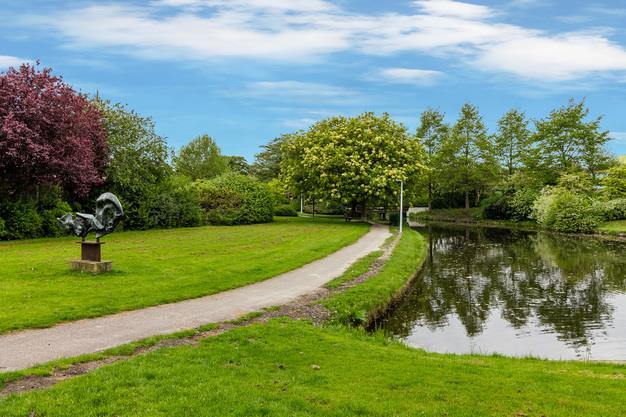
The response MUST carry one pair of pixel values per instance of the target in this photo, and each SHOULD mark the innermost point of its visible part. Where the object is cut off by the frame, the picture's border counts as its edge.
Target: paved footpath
(23, 349)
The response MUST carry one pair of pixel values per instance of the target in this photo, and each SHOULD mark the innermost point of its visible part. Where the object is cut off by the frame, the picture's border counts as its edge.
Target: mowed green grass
(289, 368)
(358, 304)
(155, 267)
(618, 226)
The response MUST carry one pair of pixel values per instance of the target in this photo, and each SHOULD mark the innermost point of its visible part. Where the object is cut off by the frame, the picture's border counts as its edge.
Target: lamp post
(401, 202)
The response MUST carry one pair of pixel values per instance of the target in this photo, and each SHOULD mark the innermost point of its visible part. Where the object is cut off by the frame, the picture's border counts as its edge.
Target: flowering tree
(355, 161)
(49, 134)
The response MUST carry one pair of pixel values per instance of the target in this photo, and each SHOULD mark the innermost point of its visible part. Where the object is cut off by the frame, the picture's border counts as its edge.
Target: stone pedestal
(91, 266)
(91, 259)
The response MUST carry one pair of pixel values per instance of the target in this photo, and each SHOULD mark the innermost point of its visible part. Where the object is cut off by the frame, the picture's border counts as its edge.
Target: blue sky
(245, 71)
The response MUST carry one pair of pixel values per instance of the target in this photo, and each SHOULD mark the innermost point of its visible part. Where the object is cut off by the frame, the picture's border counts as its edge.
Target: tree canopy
(569, 142)
(49, 134)
(357, 161)
(201, 159)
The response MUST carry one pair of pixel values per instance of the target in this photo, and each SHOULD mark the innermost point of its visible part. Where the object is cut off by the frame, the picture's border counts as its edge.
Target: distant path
(27, 348)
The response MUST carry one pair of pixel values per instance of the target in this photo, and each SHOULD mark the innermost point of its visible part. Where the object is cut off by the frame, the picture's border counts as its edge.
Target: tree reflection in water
(559, 284)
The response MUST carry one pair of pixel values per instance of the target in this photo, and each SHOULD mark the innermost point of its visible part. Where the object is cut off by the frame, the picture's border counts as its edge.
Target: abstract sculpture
(109, 212)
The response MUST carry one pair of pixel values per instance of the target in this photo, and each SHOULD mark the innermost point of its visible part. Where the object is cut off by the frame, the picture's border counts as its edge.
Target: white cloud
(296, 90)
(298, 124)
(7, 61)
(618, 136)
(559, 58)
(410, 76)
(454, 9)
(290, 5)
(305, 30)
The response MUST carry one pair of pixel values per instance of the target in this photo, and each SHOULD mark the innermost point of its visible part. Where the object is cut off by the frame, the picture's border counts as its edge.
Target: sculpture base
(91, 251)
(91, 266)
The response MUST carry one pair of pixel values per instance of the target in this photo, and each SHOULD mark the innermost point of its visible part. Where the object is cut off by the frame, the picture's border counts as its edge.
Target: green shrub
(22, 221)
(565, 211)
(521, 204)
(177, 208)
(3, 230)
(497, 207)
(394, 218)
(285, 210)
(235, 199)
(49, 217)
(611, 210)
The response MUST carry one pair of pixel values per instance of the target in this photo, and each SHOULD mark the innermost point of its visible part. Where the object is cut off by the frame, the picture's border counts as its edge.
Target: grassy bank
(361, 304)
(473, 216)
(617, 227)
(155, 267)
(289, 368)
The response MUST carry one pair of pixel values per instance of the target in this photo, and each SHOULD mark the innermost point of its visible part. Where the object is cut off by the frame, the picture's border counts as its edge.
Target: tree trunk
(430, 196)
(467, 206)
(363, 207)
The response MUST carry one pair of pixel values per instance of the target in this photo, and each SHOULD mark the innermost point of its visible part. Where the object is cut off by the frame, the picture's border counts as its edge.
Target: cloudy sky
(245, 71)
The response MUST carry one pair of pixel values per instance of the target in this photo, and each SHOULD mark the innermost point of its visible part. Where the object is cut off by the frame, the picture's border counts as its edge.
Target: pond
(516, 293)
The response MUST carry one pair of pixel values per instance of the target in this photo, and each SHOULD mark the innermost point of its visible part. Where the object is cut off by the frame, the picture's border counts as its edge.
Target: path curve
(23, 349)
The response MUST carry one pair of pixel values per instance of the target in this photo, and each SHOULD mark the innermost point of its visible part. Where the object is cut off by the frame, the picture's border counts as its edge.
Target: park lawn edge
(364, 303)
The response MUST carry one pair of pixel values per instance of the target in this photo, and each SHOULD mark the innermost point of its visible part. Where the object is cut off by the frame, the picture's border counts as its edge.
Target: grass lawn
(618, 226)
(289, 368)
(155, 267)
(358, 304)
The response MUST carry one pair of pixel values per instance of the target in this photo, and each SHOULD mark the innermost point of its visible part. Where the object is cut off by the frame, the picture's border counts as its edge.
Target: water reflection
(517, 293)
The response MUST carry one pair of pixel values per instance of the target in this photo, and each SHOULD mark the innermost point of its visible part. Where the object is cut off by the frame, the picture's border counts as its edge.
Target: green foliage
(179, 207)
(235, 199)
(202, 159)
(615, 181)
(522, 201)
(469, 155)
(138, 170)
(285, 210)
(22, 220)
(278, 191)
(568, 142)
(353, 161)
(49, 216)
(498, 206)
(238, 164)
(432, 134)
(611, 210)
(565, 211)
(266, 166)
(3, 229)
(512, 140)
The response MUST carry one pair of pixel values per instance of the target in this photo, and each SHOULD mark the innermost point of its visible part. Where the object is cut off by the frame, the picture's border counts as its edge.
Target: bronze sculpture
(109, 212)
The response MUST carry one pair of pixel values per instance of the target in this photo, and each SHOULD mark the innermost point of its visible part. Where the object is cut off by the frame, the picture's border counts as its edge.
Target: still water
(516, 293)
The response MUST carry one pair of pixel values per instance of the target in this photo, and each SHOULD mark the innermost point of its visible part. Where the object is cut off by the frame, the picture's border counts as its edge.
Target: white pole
(401, 203)
(301, 204)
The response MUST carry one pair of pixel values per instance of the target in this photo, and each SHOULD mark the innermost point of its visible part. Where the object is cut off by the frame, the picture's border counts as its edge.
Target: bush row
(226, 200)
(558, 208)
